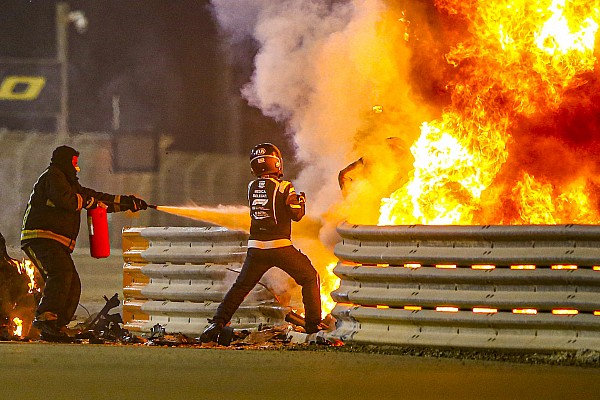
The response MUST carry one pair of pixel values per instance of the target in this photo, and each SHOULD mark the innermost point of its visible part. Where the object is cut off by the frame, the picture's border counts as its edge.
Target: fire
(330, 283)
(27, 267)
(18, 323)
(521, 61)
(492, 108)
(448, 178)
(557, 37)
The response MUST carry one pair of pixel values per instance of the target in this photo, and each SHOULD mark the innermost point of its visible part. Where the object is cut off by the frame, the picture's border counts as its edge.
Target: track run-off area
(85, 371)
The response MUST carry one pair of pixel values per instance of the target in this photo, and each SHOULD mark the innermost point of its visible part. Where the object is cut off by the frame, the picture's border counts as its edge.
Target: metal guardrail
(496, 287)
(176, 277)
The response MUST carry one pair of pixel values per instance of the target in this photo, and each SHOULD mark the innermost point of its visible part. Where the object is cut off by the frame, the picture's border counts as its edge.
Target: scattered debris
(107, 329)
(103, 327)
(157, 331)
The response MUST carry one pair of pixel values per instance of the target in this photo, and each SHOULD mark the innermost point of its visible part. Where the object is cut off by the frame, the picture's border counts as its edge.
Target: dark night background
(165, 60)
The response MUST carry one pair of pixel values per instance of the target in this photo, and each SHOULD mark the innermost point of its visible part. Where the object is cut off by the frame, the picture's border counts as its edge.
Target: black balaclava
(62, 158)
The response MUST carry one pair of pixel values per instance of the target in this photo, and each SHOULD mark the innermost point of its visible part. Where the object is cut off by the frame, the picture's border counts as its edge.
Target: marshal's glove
(301, 197)
(133, 203)
(90, 203)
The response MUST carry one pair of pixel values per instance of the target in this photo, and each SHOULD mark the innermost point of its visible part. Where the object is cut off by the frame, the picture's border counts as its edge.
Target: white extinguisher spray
(98, 230)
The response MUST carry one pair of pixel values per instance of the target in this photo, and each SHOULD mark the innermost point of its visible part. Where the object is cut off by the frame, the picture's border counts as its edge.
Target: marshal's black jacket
(55, 204)
(273, 205)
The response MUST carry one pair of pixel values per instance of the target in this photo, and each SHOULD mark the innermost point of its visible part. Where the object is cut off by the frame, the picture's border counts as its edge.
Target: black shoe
(211, 332)
(50, 332)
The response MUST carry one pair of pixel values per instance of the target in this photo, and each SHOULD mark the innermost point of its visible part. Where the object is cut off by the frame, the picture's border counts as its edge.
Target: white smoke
(305, 75)
(321, 67)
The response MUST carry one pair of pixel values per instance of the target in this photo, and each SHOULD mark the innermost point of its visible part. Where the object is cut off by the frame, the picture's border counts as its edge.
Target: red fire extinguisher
(98, 229)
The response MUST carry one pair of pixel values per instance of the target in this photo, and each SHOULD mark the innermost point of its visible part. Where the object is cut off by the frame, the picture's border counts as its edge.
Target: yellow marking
(31, 87)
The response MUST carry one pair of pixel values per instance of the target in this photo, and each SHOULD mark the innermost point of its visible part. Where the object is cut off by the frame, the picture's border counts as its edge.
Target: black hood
(62, 158)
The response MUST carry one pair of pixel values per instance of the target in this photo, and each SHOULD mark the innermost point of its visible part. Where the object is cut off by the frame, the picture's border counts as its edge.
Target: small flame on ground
(18, 326)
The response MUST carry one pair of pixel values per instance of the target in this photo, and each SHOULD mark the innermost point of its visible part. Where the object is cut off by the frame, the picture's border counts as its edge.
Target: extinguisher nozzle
(153, 206)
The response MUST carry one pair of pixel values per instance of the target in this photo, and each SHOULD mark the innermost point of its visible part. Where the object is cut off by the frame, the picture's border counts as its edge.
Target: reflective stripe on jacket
(54, 208)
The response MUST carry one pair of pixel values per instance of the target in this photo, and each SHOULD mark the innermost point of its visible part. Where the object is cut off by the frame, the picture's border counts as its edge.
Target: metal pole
(116, 108)
(62, 23)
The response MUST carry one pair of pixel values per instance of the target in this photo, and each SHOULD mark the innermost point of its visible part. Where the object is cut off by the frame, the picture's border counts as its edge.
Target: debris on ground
(106, 328)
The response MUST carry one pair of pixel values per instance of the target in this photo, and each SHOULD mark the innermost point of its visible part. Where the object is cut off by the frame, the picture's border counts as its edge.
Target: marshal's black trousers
(257, 263)
(62, 288)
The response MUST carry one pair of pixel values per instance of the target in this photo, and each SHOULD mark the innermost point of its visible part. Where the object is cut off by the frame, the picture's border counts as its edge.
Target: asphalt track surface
(39, 370)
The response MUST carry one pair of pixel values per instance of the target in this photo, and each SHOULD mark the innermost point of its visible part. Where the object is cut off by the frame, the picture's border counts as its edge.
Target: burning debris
(18, 295)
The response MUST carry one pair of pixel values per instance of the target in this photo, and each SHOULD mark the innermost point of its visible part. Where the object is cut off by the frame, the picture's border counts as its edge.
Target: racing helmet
(265, 158)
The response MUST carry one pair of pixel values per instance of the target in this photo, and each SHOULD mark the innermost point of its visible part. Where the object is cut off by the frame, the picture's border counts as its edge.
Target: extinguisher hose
(153, 206)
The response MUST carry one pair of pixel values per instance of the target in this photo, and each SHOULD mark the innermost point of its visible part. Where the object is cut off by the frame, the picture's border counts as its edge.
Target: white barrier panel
(176, 277)
(504, 287)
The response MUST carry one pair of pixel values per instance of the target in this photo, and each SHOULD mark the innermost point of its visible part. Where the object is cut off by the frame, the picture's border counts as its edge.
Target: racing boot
(212, 331)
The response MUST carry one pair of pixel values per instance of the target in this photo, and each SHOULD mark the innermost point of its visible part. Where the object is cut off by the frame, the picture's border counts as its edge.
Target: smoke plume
(337, 73)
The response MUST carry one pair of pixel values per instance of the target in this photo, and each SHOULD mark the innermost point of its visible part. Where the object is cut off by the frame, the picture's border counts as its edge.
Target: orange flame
(329, 283)
(18, 323)
(520, 61)
(27, 267)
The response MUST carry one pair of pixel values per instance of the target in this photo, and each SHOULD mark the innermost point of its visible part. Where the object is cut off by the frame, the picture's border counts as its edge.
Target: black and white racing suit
(274, 204)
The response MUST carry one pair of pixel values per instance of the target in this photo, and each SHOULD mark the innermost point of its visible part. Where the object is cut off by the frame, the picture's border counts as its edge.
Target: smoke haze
(345, 78)
(322, 67)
